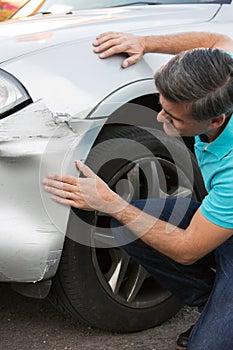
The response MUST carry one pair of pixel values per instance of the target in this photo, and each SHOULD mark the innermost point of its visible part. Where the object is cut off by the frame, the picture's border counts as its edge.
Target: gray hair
(201, 77)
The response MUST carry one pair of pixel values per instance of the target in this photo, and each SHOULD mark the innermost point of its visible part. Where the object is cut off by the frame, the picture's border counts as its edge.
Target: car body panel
(32, 226)
(59, 29)
(56, 64)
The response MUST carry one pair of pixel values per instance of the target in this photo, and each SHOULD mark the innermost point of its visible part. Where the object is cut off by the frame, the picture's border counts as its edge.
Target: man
(196, 96)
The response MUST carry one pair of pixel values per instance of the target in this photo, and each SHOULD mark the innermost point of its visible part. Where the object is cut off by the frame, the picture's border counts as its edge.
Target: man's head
(200, 82)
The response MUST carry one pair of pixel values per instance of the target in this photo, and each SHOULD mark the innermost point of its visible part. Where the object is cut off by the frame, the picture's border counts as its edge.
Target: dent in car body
(32, 226)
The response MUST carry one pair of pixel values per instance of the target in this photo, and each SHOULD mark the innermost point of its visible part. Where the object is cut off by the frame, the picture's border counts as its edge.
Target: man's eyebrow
(171, 115)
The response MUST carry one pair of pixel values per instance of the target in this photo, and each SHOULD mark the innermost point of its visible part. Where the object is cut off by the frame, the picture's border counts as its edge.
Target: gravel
(28, 324)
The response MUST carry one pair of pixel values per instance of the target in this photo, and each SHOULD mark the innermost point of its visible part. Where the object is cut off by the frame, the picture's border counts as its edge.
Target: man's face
(177, 121)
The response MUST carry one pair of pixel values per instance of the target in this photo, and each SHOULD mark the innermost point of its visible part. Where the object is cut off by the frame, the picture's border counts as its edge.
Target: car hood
(20, 37)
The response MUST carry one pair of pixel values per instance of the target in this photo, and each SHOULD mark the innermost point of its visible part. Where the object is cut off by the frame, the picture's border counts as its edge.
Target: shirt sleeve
(217, 206)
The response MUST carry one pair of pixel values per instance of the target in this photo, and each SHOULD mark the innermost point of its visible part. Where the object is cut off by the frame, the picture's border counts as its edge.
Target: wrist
(151, 44)
(146, 44)
(116, 205)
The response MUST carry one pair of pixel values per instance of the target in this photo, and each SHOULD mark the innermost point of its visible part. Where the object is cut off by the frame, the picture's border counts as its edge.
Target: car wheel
(98, 282)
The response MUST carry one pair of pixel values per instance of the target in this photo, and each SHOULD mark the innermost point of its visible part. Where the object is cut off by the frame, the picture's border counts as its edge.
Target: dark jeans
(196, 284)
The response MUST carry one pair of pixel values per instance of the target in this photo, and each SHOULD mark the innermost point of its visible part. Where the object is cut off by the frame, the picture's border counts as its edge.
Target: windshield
(33, 7)
(56, 6)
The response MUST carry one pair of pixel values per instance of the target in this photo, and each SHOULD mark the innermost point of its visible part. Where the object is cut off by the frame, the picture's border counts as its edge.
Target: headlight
(13, 95)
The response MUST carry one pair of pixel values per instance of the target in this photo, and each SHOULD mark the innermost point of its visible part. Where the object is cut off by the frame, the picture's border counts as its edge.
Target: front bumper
(32, 227)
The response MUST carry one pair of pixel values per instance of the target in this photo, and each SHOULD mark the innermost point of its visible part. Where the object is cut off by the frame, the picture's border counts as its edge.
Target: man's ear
(217, 122)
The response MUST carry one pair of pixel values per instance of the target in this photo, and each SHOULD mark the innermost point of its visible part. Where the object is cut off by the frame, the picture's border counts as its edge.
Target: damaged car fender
(32, 226)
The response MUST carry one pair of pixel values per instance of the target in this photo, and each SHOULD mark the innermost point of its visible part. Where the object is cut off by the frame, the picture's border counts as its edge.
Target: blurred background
(8, 7)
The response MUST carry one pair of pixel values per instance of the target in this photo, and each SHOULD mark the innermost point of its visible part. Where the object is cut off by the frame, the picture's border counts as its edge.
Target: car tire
(82, 283)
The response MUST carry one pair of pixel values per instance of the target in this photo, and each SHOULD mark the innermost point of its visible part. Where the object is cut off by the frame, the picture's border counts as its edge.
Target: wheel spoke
(163, 194)
(135, 282)
(154, 176)
(134, 177)
(129, 283)
(181, 192)
(116, 276)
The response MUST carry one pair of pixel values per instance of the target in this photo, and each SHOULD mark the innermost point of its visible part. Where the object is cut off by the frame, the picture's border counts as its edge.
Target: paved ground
(29, 324)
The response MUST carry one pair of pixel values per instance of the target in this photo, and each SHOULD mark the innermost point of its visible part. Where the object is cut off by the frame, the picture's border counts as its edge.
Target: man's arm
(91, 193)
(184, 246)
(111, 43)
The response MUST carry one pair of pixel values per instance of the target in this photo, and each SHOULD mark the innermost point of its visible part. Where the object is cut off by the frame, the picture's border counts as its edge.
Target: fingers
(110, 43)
(66, 182)
(72, 180)
(68, 202)
(62, 185)
(110, 48)
(63, 193)
(101, 38)
(59, 189)
(85, 170)
(131, 60)
(59, 192)
(71, 190)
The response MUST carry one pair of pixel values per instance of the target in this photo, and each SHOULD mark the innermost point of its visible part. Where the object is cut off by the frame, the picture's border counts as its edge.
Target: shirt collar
(223, 144)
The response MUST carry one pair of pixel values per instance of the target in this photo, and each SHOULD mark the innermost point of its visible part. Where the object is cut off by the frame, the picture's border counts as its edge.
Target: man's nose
(160, 117)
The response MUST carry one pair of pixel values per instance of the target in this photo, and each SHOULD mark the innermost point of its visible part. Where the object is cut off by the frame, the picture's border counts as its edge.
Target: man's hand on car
(87, 193)
(111, 43)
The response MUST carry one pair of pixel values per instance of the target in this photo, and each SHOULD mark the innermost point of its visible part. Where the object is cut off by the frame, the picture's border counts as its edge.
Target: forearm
(160, 235)
(185, 246)
(111, 43)
(175, 43)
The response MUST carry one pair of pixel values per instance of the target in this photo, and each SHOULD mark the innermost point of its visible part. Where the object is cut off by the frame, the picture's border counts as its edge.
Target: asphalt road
(30, 324)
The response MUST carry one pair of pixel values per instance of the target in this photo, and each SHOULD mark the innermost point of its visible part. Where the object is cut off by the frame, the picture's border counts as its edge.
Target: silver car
(59, 102)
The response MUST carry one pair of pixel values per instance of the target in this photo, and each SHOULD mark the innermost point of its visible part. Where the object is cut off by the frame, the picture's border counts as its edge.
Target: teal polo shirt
(215, 160)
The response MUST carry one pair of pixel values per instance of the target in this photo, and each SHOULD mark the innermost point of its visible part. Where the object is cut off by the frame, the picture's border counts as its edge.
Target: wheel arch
(135, 104)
